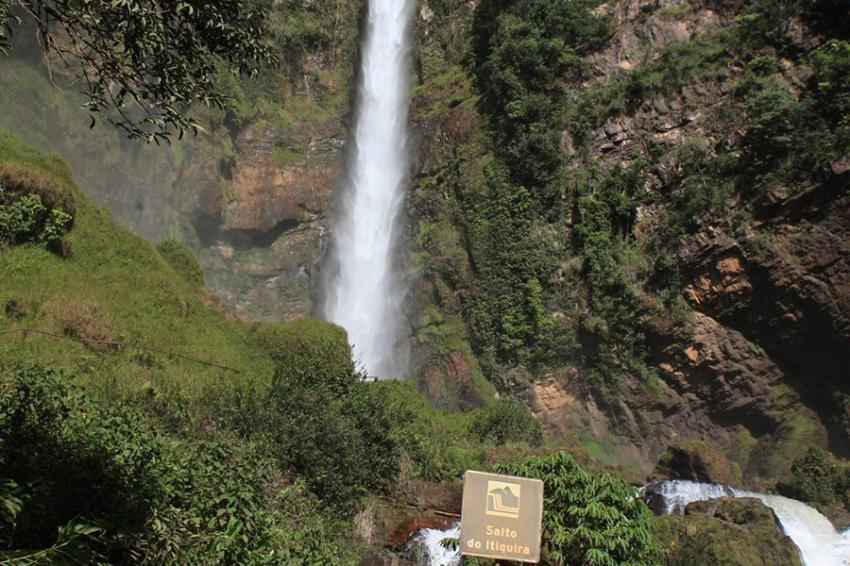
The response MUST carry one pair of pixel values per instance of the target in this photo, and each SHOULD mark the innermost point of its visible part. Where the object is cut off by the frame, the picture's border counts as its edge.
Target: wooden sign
(501, 517)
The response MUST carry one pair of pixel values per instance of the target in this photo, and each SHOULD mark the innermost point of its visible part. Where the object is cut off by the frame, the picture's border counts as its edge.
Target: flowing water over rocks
(817, 540)
(434, 553)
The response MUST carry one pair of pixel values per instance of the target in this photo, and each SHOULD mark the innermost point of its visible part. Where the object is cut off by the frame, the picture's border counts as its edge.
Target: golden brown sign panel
(501, 517)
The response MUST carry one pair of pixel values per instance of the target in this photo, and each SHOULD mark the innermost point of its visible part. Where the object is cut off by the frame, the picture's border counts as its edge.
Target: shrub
(323, 423)
(588, 519)
(27, 219)
(340, 445)
(815, 477)
(117, 488)
(72, 459)
(19, 182)
(310, 352)
(507, 420)
(182, 260)
(216, 506)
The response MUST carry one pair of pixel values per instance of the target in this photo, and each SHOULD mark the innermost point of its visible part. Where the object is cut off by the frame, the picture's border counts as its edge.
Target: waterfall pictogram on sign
(503, 499)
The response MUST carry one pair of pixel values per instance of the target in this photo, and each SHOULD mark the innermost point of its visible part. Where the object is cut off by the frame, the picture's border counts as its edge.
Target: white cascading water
(435, 553)
(365, 295)
(817, 540)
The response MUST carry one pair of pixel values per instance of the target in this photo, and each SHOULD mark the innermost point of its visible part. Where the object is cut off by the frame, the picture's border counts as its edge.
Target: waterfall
(364, 294)
(816, 539)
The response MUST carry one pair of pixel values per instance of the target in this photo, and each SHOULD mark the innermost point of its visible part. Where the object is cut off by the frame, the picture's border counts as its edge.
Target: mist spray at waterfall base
(364, 294)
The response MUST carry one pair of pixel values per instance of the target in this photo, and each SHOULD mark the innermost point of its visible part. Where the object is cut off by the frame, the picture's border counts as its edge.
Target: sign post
(501, 517)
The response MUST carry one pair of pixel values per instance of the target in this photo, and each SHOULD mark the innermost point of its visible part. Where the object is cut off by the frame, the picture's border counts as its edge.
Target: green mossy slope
(114, 287)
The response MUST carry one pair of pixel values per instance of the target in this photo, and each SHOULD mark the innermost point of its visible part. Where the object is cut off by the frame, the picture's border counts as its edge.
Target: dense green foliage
(27, 219)
(321, 421)
(525, 54)
(234, 477)
(506, 318)
(96, 465)
(506, 420)
(819, 478)
(592, 519)
(165, 498)
(603, 223)
(791, 137)
(147, 62)
(524, 57)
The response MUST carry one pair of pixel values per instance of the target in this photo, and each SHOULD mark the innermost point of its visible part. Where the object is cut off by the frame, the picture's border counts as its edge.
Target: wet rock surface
(694, 460)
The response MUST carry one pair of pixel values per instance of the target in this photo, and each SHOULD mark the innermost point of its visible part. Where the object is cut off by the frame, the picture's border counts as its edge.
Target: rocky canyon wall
(752, 363)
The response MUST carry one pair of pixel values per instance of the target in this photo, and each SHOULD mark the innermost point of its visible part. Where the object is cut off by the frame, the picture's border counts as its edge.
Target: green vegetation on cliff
(737, 532)
(524, 56)
(527, 72)
(583, 177)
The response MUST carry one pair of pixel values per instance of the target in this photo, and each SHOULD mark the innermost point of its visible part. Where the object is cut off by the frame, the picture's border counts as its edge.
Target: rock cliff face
(251, 195)
(263, 230)
(755, 367)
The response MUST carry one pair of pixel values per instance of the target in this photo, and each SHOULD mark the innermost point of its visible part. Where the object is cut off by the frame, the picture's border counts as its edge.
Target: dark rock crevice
(209, 229)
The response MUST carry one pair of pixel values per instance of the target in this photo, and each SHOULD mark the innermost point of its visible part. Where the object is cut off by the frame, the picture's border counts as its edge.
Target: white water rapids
(816, 539)
(431, 543)
(364, 295)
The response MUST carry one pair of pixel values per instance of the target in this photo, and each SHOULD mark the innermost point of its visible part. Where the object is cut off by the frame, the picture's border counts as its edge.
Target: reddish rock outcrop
(265, 192)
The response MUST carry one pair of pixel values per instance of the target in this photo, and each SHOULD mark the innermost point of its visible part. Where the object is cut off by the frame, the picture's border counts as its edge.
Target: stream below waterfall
(433, 553)
(816, 539)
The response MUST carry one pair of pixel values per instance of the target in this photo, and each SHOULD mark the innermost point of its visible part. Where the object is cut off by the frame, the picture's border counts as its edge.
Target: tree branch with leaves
(144, 63)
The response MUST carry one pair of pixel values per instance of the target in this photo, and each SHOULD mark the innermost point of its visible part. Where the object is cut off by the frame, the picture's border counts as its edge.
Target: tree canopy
(145, 62)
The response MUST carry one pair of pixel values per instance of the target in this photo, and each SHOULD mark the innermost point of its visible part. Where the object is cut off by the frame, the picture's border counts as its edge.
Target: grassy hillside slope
(114, 287)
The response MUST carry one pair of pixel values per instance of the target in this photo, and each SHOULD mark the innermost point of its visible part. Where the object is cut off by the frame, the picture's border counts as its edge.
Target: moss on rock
(728, 531)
